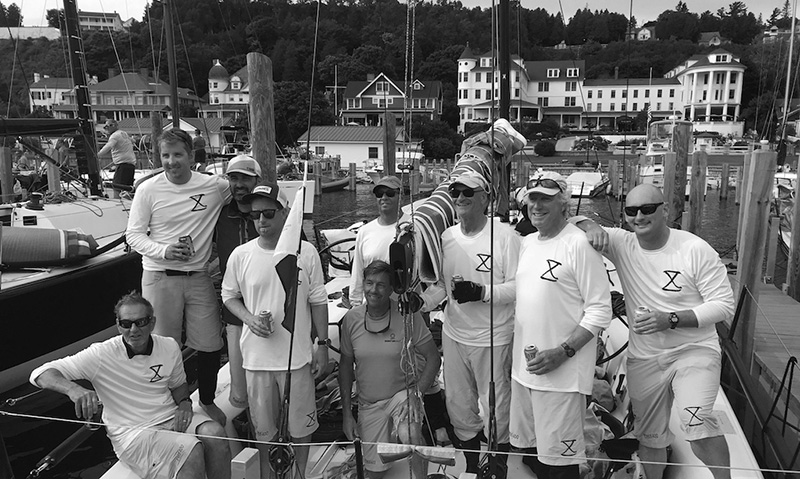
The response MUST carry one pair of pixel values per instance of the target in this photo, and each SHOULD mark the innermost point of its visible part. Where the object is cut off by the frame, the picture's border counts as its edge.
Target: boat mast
(505, 59)
(173, 73)
(77, 61)
(782, 147)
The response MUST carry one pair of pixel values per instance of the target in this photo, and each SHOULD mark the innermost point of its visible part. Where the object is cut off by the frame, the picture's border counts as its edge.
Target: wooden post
(262, 112)
(414, 178)
(317, 184)
(772, 248)
(724, 180)
(613, 176)
(353, 176)
(742, 192)
(389, 140)
(754, 238)
(631, 175)
(697, 191)
(793, 262)
(155, 138)
(521, 178)
(6, 176)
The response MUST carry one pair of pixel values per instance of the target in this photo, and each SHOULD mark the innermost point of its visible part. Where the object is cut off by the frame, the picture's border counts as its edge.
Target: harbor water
(29, 440)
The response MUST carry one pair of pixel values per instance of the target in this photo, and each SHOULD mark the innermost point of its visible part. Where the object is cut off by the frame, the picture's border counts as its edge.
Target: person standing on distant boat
(563, 302)
(373, 239)
(179, 210)
(372, 339)
(674, 352)
(234, 228)
(469, 269)
(140, 383)
(199, 145)
(120, 147)
(252, 290)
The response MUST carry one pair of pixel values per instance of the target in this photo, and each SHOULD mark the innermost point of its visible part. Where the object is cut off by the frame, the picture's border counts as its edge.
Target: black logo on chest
(550, 274)
(198, 202)
(156, 373)
(671, 285)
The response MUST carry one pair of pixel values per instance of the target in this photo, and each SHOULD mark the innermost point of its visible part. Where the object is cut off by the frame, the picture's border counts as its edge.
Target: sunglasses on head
(647, 209)
(467, 192)
(255, 215)
(389, 192)
(140, 323)
(545, 183)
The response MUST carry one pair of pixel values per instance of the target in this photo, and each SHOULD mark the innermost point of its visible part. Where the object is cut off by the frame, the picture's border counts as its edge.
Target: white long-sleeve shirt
(685, 274)
(169, 211)
(561, 284)
(372, 243)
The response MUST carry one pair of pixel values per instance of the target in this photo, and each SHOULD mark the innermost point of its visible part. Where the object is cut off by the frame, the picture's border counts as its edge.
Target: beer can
(457, 278)
(266, 319)
(641, 310)
(187, 240)
(530, 351)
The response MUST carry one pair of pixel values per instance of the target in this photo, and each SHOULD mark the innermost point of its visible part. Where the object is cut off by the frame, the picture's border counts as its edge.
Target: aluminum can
(457, 278)
(530, 351)
(641, 310)
(187, 240)
(266, 319)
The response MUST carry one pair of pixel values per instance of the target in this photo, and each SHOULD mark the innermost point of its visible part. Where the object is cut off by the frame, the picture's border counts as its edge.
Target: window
(544, 86)
(516, 77)
(477, 94)
(572, 86)
(612, 107)
(572, 72)
(635, 107)
(624, 107)
(647, 93)
(516, 92)
(552, 73)
(613, 93)
(721, 58)
(716, 95)
(658, 106)
(624, 93)
(382, 86)
(373, 152)
(671, 106)
(733, 78)
(705, 95)
(588, 107)
(599, 94)
(718, 78)
(544, 101)
(588, 93)
(478, 77)
(351, 103)
(658, 93)
(705, 79)
(236, 85)
(488, 94)
(672, 93)
(731, 94)
(320, 150)
(636, 93)
(569, 101)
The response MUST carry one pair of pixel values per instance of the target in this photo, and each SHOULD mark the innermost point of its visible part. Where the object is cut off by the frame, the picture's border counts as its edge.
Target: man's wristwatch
(673, 320)
(323, 342)
(568, 349)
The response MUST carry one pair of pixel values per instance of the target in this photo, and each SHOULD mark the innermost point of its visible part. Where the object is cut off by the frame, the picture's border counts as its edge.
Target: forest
(360, 37)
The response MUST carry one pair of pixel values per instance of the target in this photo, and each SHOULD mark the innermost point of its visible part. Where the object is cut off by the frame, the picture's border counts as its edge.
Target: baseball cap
(110, 122)
(246, 165)
(392, 182)
(471, 179)
(549, 183)
(268, 190)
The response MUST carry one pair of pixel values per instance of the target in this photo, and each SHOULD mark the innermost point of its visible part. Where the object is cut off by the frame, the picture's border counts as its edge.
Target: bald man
(674, 353)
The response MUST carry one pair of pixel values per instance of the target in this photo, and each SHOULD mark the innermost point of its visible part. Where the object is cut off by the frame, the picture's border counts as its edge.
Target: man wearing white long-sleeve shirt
(563, 301)
(467, 250)
(674, 352)
(179, 210)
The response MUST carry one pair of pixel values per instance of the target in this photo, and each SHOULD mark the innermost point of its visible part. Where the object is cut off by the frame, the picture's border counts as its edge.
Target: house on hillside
(362, 145)
(366, 102)
(211, 129)
(47, 92)
(128, 95)
(16, 33)
(609, 99)
(710, 39)
(228, 95)
(646, 33)
(100, 21)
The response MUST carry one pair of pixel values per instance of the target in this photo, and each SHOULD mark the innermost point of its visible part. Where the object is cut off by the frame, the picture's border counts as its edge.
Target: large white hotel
(706, 89)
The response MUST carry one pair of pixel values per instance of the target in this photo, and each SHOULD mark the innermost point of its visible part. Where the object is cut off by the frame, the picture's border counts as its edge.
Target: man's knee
(212, 435)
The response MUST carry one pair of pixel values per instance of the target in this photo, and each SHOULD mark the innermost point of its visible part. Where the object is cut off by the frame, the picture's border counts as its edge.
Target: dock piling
(352, 173)
(155, 138)
(724, 181)
(6, 177)
(697, 191)
(262, 112)
(793, 262)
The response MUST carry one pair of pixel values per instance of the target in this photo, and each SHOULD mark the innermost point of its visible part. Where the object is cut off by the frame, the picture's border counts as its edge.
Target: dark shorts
(123, 174)
(199, 156)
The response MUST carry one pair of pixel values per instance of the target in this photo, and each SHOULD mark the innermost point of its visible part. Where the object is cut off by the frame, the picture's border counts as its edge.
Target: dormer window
(572, 73)
(552, 73)
(721, 58)
(236, 85)
(382, 86)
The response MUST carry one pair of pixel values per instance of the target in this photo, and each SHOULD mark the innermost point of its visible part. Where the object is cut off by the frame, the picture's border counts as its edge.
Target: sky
(33, 11)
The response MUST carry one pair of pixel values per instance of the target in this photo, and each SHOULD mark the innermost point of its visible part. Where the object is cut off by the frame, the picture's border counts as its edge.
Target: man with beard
(179, 209)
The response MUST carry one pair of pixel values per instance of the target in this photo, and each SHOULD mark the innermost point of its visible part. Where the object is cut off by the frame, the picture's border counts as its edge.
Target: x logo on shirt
(693, 411)
(671, 285)
(485, 266)
(552, 264)
(569, 451)
(198, 206)
(156, 373)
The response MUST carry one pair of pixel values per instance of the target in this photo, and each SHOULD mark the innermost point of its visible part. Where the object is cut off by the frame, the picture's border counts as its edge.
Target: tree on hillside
(10, 16)
(291, 111)
(708, 22)
(677, 25)
(737, 24)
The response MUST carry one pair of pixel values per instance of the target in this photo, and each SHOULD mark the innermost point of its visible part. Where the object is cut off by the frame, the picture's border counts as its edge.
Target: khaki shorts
(160, 452)
(265, 394)
(690, 378)
(551, 421)
(377, 422)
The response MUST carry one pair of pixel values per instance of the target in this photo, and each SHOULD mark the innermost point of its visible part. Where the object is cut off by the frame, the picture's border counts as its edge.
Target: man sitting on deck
(674, 352)
(139, 379)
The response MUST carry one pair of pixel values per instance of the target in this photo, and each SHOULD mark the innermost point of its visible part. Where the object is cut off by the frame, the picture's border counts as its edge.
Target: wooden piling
(724, 181)
(613, 176)
(697, 191)
(389, 140)
(753, 242)
(6, 176)
(675, 186)
(742, 192)
(793, 262)
(772, 248)
(262, 112)
(520, 178)
(631, 176)
(352, 172)
(155, 138)
(414, 177)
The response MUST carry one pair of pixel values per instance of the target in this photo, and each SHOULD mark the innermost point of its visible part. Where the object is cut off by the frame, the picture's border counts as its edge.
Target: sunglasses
(545, 183)
(255, 215)
(647, 209)
(389, 192)
(467, 192)
(128, 323)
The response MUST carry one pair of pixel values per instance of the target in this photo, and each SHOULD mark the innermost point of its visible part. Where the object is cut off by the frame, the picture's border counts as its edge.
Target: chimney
(112, 72)
(36, 77)
(616, 73)
(215, 62)
(144, 72)
(370, 76)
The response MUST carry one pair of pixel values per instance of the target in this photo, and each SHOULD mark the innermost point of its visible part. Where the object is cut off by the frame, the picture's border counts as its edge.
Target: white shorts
(550, 421)
(265, 394)
(377, 422)
(160, 452)
(690, 378)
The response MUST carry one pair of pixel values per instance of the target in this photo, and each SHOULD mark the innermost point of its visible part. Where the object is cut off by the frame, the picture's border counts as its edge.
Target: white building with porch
(362, 145)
